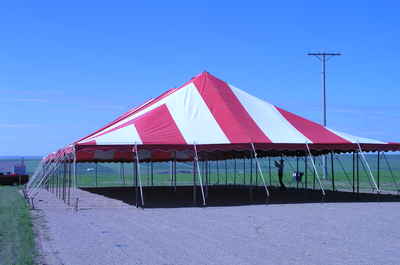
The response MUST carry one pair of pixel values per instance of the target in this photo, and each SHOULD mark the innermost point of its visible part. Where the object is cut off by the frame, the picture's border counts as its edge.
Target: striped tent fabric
(212, 115)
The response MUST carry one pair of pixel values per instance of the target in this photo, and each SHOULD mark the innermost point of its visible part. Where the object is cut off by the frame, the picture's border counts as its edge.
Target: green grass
(17, 244)
(109, 174)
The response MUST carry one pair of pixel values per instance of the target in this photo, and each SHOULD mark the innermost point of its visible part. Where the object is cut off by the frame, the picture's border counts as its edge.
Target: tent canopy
(217, 118)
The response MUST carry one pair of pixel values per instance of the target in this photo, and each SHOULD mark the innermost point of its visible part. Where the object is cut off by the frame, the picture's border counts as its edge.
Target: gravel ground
(107, 231)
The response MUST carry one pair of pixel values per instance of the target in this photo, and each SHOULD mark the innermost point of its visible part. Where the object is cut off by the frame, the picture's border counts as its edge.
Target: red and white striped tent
(216, 117)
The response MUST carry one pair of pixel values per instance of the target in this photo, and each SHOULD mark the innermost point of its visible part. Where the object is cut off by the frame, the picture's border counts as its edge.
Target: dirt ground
(109, 231)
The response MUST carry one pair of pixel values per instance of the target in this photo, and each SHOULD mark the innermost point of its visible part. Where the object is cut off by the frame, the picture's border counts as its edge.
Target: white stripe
(356, 139)
(125, 135)
(193, 118)
(269, 119)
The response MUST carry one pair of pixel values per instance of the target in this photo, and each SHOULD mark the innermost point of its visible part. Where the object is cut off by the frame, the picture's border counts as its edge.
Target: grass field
(16, 235)
(245, 172)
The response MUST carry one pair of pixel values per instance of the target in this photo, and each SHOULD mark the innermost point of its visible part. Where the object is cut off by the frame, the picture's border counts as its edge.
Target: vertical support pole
(305, 173)
(152, 173)
(69, 182)
(138, 179)
(378, 171)
(354, 171)
(207, 180)
(234, 171)
(226, 173)
(175, 171)
(269, 171)
(244, 171)
(217, 171)
(96, 173)
(332, 173)
(315, 170)
(314, 173)
(199, 175)
(297, 170)
(194, 182)
(259, 170)
(358, 174)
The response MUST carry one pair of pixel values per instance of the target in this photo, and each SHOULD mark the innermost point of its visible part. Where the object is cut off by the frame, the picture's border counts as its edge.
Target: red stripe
(227, 110)
(313, 131)
(158, 127)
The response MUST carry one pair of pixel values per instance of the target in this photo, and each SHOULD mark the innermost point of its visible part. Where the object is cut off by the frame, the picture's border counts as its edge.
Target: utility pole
(324, 57)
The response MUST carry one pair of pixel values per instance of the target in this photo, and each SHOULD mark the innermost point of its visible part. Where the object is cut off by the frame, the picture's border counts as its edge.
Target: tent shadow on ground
(182, 196)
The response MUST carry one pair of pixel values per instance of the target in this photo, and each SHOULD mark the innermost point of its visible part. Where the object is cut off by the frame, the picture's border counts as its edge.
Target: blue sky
(67, 68)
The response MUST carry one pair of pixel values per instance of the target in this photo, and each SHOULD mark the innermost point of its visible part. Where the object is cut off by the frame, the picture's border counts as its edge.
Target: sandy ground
(107, 231)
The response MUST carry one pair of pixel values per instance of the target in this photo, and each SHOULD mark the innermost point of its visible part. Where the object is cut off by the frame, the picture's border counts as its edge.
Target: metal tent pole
(354, 171)
(315, 170)
(234, 171)
(305, 172)
(244, 171)
(96, 173)
(138, 174)
(194, 182)
(269, 171)
(358, 173)
(199, 174)
(369, 169)
(378, 171)
(259, 170)
(152, 173)
(333, 173)
(226, 173)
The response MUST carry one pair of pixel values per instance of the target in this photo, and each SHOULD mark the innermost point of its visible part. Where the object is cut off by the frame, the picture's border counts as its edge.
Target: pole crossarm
(196, 157)
(368, 167)
(259, 169)
(315, 169)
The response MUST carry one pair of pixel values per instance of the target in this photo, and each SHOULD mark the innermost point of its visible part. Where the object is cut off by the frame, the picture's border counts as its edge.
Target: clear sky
(69, 67)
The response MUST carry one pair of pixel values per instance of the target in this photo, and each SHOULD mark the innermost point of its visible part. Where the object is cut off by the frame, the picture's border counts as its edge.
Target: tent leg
(354, 172)
(269, 171)
(194, 183)
(226, 173)
(244, 171)
(152, 173)
(297, 170)
(333, 173)
(369, 169)
(96, 174)
(315, 170)
(260, 171)
(234, 172)
(358, 174)
(138, 175)
(199, 175)
(305, 172)
(251, 180)
(378, 171)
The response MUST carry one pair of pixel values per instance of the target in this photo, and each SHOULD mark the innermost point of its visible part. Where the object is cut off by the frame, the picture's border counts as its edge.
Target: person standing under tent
(280, 165)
